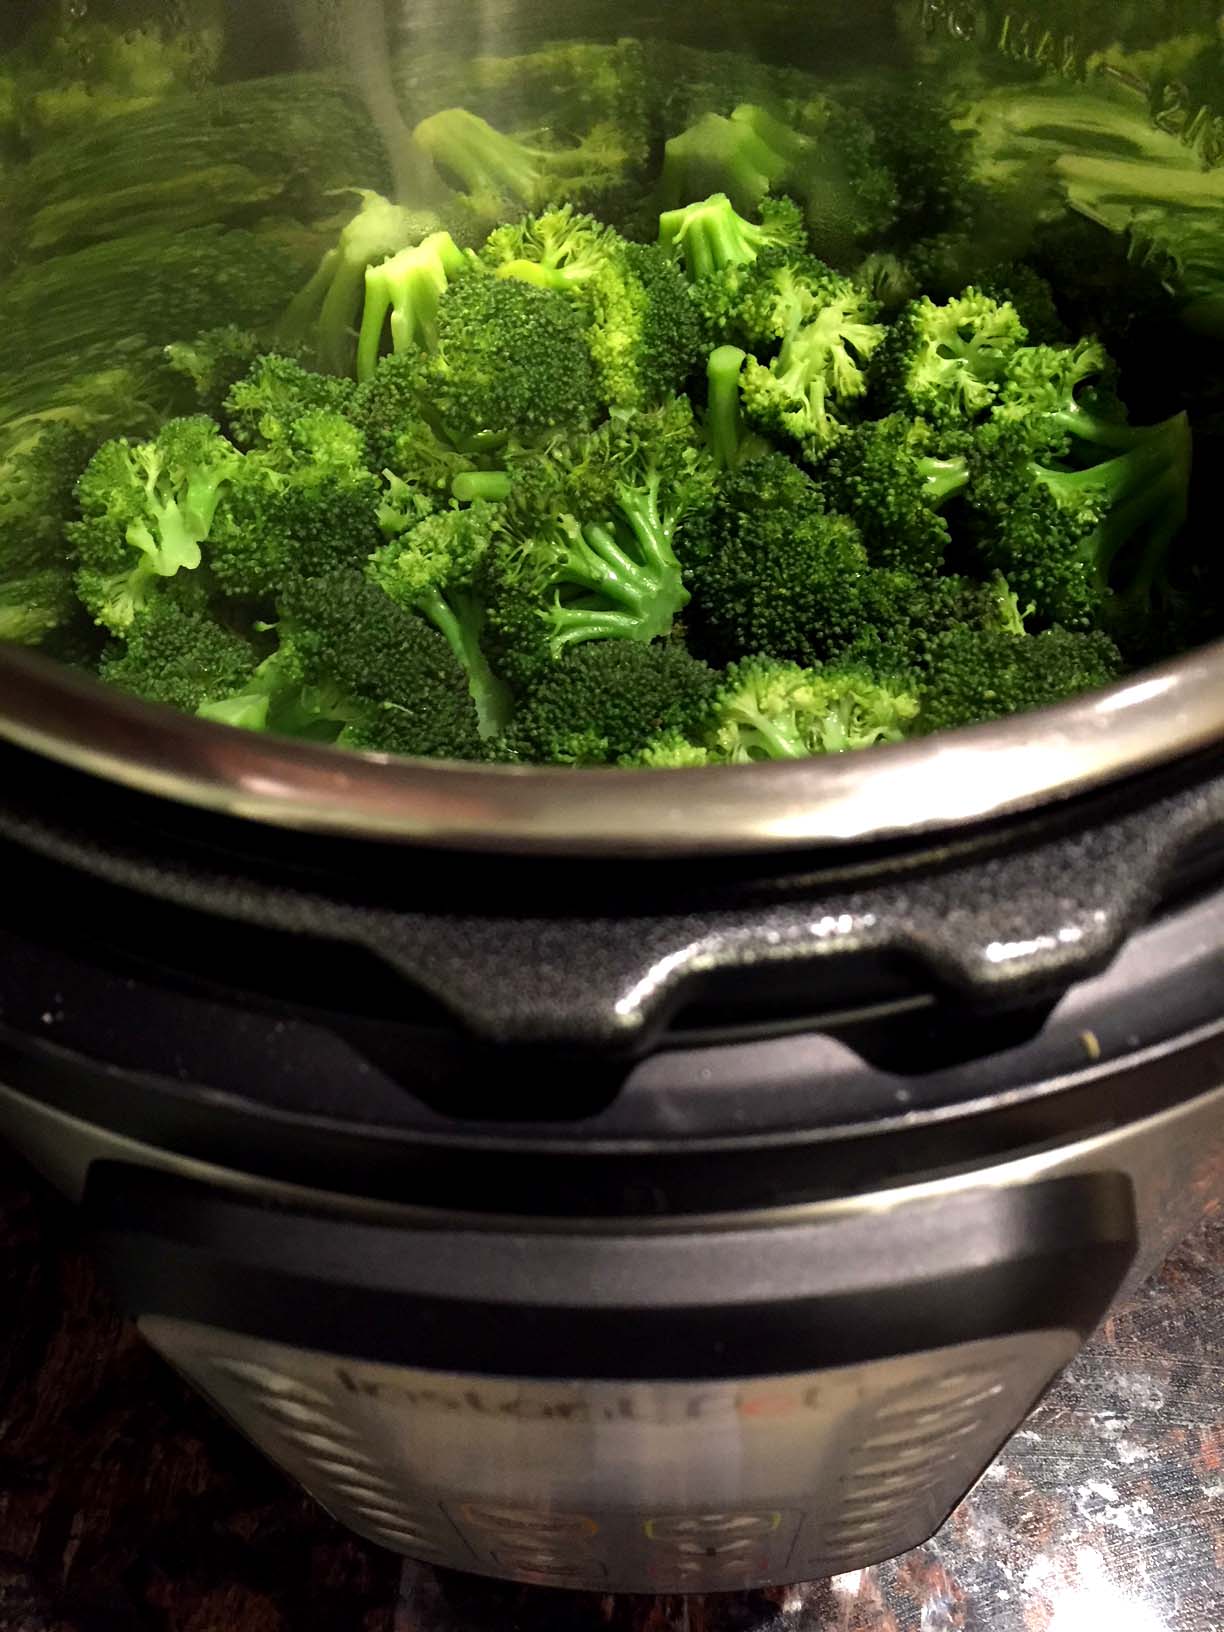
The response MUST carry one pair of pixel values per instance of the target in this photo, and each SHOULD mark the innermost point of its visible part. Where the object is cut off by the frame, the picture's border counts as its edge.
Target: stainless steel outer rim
(893, 792)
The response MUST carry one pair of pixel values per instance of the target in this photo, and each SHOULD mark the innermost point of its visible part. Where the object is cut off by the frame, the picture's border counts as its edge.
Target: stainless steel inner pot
(1015, 765)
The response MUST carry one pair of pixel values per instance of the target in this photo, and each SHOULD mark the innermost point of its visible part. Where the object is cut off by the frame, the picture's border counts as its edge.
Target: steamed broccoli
(641, 328)
(944, 363)
(772, 572)
(585, 547)
(1083, 542)
(431, 565)
(606, 703)
(180, 656)
(147, 510)
(893, 478)
(975, 676)
(765, 709)
(712, 236)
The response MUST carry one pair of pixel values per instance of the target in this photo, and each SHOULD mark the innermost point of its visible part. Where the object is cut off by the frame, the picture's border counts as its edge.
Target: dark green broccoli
(147, 509)
(773, 572)
(355, 668)
(395, 416)
(297, 508)
(642, 330)
(585, 547)
(39, 466)
(945, 363)
(179, 656)
(1080, 544)
(264, 406)
(432, 565)
(976, 676)
(605, 703)
(892, 477)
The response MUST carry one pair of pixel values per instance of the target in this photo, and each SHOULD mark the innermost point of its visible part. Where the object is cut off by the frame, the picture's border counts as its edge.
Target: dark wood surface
(126, 1505)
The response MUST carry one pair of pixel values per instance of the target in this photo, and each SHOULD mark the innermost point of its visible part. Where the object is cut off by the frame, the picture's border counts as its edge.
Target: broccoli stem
(777, 742)
(460, 617)
(711, 236)
(493, 486)
(724, 419)
(410, 287)
(943, 478)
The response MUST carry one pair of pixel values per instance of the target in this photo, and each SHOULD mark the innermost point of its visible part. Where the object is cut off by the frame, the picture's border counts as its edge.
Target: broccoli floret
(892, 478)
(975, 675)
(297, 508)
(930, 161)
(765, 709)
(848, 191)
(642, 330)
(1063, 394)
(147, 509)
(1081, 543)
(408, 288)
(39, 467)
(325, 313)
(499, 174)
(945, 363)
(431, 566)
(773, 572)
(1032, 297)
(586, 544)
(806, 393)
(712, 236)
(511, 363)
(605, 703)
(263, 408)
(354, 667)
(213, 364)
(179, 656)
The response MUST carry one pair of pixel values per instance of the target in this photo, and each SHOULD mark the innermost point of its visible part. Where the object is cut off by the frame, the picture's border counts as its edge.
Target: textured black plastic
(701, 1304)
(601, 956)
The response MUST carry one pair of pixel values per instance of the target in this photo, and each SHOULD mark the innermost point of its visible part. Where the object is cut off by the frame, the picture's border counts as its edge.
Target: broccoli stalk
(636, 588)
(712, 236)
(327, 308)
(409, 287)
(724, 417)
(727, 156)
(430, 566)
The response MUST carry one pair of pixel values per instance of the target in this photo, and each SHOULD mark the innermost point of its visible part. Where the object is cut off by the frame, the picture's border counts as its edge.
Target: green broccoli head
(147, 509)
(945, 363)
(298, 508)
(768, 710)
(1083, 543)
(605, 703)
(641, 328)
(773, 572)
(892, 476)
(511, 364)
(180, 656)
(265, 404)
(977, 675)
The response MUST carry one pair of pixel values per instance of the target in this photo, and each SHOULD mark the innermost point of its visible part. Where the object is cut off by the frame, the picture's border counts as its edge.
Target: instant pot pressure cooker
(631, 1181)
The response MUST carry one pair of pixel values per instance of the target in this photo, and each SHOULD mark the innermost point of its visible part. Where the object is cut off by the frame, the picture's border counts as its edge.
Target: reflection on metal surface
(590, 1483)
(908, 788)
